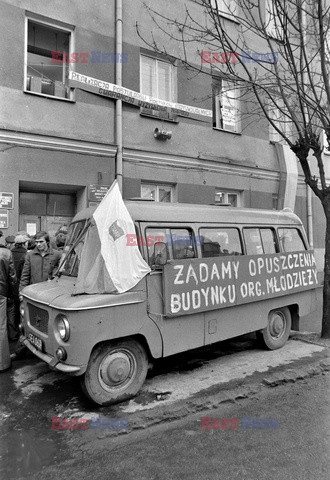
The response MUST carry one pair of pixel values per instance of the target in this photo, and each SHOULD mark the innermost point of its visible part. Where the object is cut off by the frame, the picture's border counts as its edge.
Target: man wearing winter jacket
(40, 262)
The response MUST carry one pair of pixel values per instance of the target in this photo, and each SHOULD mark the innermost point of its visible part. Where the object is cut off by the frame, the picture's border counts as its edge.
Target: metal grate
(38, 318)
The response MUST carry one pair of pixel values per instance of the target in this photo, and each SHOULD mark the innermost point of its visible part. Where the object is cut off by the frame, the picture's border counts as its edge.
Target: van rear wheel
(278, 329)
(116, 371)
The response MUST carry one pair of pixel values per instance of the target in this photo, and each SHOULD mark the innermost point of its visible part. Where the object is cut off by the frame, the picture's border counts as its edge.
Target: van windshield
(70, 262)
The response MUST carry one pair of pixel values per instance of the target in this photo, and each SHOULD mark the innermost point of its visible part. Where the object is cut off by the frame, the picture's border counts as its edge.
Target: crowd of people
(24, 260)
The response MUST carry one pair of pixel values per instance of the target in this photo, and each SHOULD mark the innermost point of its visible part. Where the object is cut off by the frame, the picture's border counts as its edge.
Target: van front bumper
(52, 362)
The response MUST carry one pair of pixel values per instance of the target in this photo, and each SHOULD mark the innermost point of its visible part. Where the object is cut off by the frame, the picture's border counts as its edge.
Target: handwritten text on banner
(198, 285)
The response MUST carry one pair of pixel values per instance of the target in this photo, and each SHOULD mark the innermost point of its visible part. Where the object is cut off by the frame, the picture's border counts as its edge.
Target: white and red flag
(107, 262)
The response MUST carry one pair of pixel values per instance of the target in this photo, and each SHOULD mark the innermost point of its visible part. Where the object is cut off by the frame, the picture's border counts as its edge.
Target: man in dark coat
(13, 314)
(7, 280)
(40, 262)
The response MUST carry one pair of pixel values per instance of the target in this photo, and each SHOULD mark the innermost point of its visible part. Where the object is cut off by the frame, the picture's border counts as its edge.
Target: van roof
(197, 213)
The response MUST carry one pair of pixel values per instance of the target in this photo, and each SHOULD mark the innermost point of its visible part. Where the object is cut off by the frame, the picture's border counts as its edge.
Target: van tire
(115, 372)
(277, 332)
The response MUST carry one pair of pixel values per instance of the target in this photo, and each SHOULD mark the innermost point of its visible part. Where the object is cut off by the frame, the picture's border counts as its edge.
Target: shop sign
(6, 200)
(4, 219)
(199, 285)
(97, 192)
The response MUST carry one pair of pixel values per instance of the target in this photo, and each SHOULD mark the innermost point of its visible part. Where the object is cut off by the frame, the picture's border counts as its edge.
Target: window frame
(164, 115)
(326, 151)
(220, 91)
(220, 229)
(226, 193)
(55, 25)
(259, 228)
(157, 186)
(279, 118)
(271, 26)
(168, 240)
(223, 10)
(300, 235)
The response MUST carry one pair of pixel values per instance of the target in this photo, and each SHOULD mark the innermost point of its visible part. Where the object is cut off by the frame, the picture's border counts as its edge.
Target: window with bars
(226, 106)
(158, 80)
(47, 52)
(158, 193)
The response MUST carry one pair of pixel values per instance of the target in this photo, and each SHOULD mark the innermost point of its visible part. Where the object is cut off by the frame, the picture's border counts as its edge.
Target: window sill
(51, 97)
(226, 131)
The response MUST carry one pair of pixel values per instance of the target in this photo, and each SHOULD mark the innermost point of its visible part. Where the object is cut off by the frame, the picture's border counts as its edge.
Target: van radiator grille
(38, 318)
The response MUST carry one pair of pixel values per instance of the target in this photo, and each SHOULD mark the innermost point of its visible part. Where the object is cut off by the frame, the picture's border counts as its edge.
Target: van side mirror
(160, 255)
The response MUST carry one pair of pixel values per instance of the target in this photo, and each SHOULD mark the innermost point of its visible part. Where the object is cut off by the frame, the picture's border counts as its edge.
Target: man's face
(41, 244)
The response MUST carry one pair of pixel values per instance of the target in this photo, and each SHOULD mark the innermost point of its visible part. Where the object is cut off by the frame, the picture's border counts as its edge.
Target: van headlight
(62, 326)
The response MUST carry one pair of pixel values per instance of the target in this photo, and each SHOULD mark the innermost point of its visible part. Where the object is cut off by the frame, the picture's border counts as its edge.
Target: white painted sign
(111, 90)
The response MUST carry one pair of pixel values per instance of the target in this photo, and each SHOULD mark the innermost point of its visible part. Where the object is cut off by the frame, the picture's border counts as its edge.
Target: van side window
(220, 241)
(182, 243)
(291, 239)
(259, 240)
(153, 236)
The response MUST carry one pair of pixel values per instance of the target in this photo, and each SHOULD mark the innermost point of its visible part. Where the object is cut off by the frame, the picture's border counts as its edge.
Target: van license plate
(37, 342)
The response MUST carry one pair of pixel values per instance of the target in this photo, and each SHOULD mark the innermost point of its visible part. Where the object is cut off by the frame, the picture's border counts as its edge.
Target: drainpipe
(119, 104)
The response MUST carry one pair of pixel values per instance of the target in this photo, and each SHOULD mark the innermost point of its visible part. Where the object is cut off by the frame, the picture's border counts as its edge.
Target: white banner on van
(123, 262)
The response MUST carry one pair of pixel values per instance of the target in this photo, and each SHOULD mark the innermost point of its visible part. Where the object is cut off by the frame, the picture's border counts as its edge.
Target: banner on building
(137, 99)
(198, 285)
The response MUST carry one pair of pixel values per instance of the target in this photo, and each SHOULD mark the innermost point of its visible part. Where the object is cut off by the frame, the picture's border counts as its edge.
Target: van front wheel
(278, 329)
(115, 372)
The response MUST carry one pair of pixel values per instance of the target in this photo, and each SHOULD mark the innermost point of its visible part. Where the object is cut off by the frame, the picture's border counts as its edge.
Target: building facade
(59, 143)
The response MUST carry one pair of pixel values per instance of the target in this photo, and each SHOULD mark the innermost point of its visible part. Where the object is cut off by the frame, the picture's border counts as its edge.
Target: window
(259, 240)
(281, 120)
(182, 243)
(273, 19)
(155, 236)
(47, 54)
(290, 240)
(158, 193)
(216, 242)
(226, 106)
(325, 144)
(158, 80)
(227, 7)
(275, 201)
(179, 243)
(225, 197)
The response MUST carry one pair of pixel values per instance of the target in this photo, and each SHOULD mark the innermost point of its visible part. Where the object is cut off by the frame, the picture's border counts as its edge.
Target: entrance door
(45, 211)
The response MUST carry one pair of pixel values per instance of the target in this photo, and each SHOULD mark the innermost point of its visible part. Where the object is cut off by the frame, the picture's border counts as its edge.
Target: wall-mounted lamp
(162, 134)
